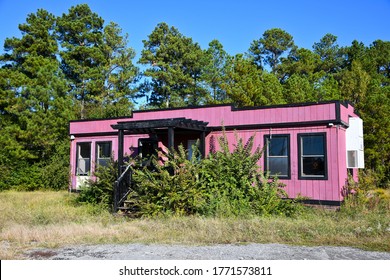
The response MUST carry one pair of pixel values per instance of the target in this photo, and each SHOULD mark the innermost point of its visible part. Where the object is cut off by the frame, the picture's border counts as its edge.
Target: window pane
(83, 166)
(83, 158)
(277, 146)
(104, 150)
(84, 150)
(278, 166)
(313, 145)
(103, 162)
(190, 148)
(313, 166)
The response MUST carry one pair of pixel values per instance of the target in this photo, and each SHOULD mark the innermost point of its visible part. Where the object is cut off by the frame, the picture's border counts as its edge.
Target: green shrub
(238, 187)
(170, 188)
(56, 173)
(226, 183)
(23, 177)
(99, 191)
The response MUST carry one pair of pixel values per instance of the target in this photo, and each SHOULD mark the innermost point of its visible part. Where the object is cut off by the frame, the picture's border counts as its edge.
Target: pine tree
(215, 71)
(175, 68)
(80, 33)
(270, 47)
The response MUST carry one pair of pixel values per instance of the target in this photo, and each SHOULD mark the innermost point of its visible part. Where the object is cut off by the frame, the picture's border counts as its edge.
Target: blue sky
(234, 23)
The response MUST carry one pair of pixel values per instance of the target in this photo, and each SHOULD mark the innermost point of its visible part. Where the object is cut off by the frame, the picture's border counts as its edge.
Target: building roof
(149, 126)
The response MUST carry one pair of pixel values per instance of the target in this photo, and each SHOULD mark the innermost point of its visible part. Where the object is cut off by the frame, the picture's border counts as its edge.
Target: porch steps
(129, 208)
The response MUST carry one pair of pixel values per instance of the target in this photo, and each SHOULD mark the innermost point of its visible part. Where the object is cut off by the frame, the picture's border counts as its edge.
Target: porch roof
(146, 126)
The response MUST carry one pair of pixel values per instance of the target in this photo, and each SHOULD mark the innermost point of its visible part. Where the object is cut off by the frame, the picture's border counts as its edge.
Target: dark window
(146, 149)
(103, 153)
(312, 156)
(83, 164)
(277, 155)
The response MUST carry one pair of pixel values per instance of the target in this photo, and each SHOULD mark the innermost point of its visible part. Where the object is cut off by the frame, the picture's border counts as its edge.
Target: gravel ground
(215, 252)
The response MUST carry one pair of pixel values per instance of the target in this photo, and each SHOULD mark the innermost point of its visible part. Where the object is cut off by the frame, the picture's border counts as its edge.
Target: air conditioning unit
(352, 159)
(355, 143)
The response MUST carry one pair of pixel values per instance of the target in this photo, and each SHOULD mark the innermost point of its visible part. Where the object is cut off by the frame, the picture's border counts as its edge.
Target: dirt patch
(42, 254)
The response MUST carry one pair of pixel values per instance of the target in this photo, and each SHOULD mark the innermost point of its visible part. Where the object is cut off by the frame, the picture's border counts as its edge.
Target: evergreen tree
(39, 95)
(330, 53)
(298, 89)
(356, 52)
(35, 108)
(268, 49)
(247, 85)
(215, 71)
(300, 61)
(175, 68)
(80, 33)
(120, 75)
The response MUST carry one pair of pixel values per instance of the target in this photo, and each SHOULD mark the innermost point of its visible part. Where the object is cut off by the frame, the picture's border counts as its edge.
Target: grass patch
(51, 219)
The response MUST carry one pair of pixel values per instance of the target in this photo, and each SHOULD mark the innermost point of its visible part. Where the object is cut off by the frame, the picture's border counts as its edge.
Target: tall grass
(51, 219)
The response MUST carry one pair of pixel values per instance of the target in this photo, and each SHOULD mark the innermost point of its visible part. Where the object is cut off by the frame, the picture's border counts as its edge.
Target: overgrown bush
(226, 183)
(56, 173)
(236, 184)
(170, 188)
(99, 190)
(50, 173)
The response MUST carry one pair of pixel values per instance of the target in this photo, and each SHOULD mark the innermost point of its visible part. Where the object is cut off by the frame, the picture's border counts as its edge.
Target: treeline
(75, 66)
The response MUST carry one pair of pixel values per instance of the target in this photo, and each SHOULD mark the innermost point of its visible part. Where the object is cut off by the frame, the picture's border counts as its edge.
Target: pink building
(311, 147)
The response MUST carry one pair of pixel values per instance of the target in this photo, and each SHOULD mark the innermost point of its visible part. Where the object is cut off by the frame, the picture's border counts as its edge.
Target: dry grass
(49, 219)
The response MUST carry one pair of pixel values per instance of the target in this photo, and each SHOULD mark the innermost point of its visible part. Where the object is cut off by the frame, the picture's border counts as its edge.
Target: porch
(169, 132)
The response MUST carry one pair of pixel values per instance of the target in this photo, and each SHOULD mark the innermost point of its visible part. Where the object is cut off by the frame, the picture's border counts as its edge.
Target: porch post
(171, 138)
(202, 144)
(120, 151)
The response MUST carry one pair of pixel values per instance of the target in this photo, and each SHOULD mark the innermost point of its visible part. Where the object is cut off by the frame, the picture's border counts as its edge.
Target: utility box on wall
(354, 143)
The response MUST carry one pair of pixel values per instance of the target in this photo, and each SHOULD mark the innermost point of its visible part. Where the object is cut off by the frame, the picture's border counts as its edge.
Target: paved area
(215, 252)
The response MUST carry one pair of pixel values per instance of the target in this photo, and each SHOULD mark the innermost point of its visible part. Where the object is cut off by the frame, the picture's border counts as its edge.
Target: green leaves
(226, 183)
(271, 47)
(171, 187)
(61, 68)
(215, 70)
(246, 85)
(100, 191)
(175, 67)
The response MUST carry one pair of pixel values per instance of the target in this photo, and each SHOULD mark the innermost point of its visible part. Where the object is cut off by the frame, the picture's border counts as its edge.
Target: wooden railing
(122, 187)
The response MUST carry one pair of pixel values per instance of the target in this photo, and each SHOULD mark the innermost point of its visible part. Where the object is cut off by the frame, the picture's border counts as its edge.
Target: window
(312, 156)
(147, 148)
(191, 144)
(103, 153)
(277, 155)
(83, 164)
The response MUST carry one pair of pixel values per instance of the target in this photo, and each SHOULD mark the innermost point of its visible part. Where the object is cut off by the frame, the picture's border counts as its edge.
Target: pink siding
(216, 116)
(303, 119)
(315, 189)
